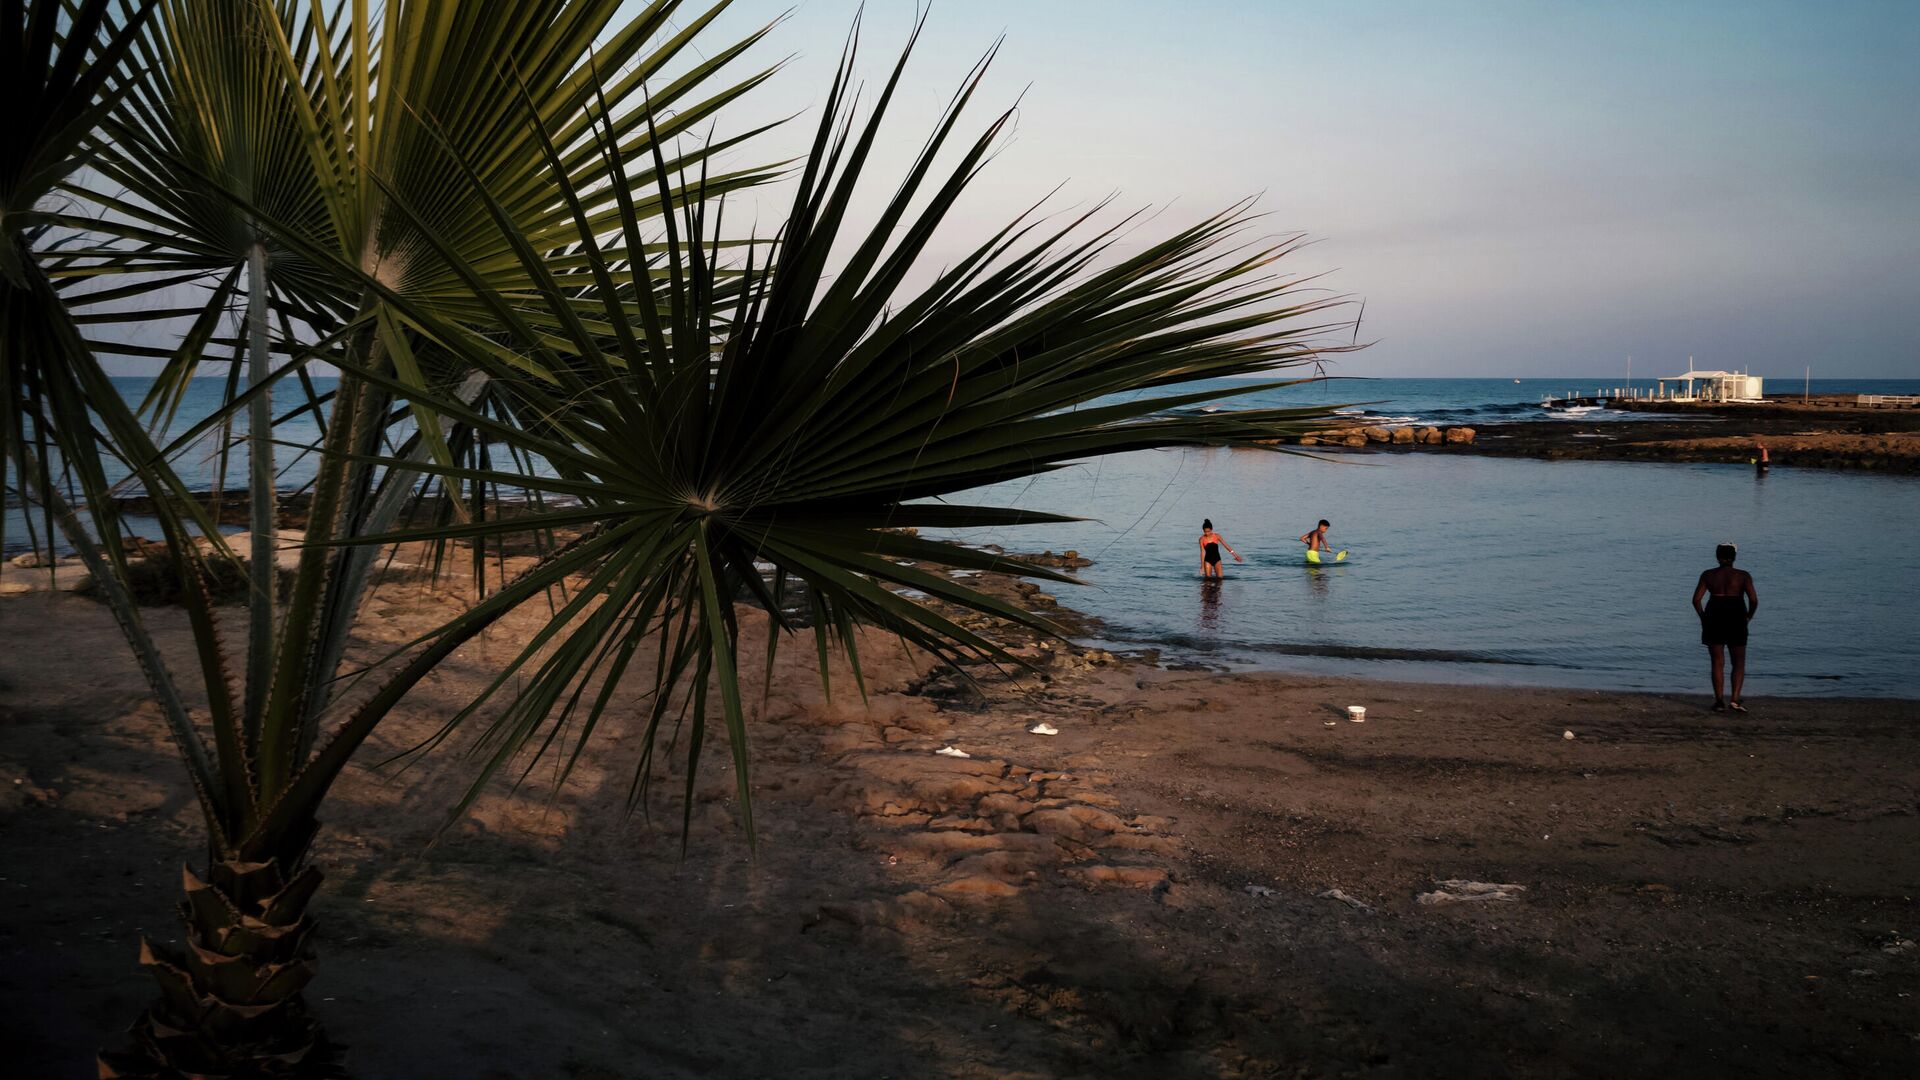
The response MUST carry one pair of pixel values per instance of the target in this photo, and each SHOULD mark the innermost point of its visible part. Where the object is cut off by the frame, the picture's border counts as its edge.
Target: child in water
(1210, 544)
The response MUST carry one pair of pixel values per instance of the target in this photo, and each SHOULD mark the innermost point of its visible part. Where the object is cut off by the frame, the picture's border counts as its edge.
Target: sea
(1461, 568)
(1490, 570)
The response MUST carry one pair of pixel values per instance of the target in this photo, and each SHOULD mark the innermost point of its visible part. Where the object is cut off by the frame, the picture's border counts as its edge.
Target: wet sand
(1140, 895)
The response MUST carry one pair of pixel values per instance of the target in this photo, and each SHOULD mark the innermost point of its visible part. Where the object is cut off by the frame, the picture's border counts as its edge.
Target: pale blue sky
(1516, 188)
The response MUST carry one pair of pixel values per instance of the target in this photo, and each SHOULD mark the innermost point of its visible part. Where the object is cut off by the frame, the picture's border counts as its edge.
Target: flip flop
(1719, 706)
(1736, 706)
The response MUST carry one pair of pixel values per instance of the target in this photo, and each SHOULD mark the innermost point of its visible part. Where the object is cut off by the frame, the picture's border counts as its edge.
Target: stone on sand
(978, 887)
(1012, 865)
(903, 912)
(1130, 841)
(1138, 877)
(1074, 822)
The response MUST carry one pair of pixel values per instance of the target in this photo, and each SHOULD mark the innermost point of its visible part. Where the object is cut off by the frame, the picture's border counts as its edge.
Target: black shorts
(1725, 621)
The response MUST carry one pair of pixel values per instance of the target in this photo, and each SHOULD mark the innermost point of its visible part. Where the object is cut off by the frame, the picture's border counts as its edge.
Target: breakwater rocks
(1796, 436)
(1375, 435)
(1841, 443)
(1066, 560)
(1895, 452)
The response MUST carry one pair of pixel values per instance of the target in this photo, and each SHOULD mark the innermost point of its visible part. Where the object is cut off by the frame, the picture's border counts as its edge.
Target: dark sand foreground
(1704, 895)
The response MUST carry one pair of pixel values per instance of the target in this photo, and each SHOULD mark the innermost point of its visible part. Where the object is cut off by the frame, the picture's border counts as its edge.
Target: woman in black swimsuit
(1730, 604)
(1210, 544)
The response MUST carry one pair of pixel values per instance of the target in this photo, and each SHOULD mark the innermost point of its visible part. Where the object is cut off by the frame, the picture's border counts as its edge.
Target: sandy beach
(1202, 874)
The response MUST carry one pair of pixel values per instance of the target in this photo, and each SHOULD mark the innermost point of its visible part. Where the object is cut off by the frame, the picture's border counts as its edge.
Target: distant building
(1711, 386)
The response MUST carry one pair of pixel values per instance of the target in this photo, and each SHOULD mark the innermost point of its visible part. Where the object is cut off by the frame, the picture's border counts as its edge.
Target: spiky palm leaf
(63, 426)
(308, 117)
(252, 111)
(259, 110)
(822, 417)
(201, 125)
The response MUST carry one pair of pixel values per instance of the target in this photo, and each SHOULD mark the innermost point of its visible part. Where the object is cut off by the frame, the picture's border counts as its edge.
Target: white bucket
(1357, 713)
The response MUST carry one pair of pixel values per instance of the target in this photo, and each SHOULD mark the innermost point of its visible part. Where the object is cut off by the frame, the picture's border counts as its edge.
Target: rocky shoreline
(1825, 435)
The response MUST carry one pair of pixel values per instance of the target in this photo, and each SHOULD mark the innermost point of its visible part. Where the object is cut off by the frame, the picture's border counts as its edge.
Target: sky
(1515, 189)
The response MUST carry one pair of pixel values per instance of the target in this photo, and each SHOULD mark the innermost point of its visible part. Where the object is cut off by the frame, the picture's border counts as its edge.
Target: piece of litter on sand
(1353, 902)
(1043, 728)
(951, 751)
(1566, 734)
(1258, 890)
(1462, 891)
(1331, 723)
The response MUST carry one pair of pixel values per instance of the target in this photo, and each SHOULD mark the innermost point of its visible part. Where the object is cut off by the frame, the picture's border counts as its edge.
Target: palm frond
(824, 412)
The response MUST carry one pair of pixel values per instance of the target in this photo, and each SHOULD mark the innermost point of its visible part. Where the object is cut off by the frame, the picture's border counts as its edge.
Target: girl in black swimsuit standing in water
(1730, 604)
(1210, 544)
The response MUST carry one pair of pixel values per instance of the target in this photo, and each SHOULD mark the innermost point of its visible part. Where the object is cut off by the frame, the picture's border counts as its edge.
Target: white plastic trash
(1357, 713)
(952, 751)
(1043, 728)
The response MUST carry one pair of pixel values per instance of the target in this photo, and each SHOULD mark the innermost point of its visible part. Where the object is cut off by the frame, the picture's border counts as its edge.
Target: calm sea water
(1493, 570)
(1462, 568)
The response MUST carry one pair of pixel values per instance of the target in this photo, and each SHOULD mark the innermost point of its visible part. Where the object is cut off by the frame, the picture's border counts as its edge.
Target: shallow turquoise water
(1491, 569)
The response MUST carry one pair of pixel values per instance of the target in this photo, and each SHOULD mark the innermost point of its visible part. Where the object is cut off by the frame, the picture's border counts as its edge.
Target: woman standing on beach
(1730, 604)
(1210, 544)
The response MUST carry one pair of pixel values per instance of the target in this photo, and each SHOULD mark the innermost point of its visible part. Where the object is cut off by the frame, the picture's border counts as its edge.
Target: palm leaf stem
(262, 489)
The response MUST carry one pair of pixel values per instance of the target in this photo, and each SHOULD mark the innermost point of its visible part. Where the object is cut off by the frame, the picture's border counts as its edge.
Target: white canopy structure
(1696, 385)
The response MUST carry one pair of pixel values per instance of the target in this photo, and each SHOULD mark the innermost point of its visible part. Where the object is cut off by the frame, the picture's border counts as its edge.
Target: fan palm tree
(245, 109)
(705, 409)
(196, 121)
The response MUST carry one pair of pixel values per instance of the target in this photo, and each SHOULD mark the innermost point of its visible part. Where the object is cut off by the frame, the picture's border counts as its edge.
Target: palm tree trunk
(230, 1001)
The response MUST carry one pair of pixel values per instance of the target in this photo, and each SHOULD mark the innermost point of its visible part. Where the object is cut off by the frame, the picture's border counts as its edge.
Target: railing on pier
(1878, 400)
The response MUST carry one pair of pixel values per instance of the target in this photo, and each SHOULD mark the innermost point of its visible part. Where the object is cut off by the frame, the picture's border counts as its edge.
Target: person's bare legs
(1715, 654)
(1739, 670)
